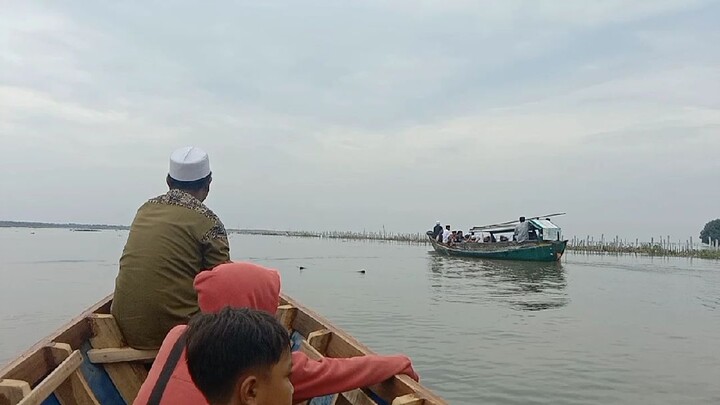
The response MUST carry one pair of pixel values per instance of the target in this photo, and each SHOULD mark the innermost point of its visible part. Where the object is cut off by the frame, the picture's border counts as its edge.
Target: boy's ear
(247, 390)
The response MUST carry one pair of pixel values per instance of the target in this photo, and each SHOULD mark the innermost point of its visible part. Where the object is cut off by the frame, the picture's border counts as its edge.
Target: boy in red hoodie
(247, 285)
(239, 357)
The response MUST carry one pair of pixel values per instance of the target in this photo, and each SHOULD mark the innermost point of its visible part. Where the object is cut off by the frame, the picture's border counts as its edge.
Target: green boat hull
(542, 251)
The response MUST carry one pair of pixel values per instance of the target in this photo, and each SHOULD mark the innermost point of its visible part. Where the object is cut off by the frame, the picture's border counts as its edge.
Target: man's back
(522, 231)
(437, 231)
(173, 237)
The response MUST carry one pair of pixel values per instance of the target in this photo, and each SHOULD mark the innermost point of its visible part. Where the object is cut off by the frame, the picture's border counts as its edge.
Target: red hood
(245, 285)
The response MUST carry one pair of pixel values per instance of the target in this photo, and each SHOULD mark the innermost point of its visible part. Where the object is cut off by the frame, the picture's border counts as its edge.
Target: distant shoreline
(387, 236)
(51, 225)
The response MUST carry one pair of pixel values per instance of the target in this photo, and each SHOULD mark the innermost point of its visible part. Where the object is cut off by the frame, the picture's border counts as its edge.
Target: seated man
(172, 238)
(240, 357)
(246, 285)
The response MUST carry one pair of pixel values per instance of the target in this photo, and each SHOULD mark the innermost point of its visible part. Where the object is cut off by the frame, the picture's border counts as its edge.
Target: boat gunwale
(34, 364)
(74, 332)
(395, 386)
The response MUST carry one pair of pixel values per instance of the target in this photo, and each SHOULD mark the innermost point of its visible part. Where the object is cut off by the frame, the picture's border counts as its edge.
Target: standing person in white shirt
(446, 235)
(522, 231)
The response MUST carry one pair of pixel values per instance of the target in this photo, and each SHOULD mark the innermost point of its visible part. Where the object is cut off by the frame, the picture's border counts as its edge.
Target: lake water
(589, 330)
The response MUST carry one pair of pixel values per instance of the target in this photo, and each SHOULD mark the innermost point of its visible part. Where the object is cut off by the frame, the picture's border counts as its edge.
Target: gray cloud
(322, 116)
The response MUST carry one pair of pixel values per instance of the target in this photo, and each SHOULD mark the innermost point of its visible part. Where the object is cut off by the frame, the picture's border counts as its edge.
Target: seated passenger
(248, 285)
(239, 356)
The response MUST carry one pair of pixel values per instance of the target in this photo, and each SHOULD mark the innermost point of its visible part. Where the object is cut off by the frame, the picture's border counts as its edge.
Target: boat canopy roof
(540, 222)
(543, 224)
(492, 229)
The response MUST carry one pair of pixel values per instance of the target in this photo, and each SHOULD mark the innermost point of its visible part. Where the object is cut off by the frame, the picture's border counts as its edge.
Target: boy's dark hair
(196, 185)
(222, 346)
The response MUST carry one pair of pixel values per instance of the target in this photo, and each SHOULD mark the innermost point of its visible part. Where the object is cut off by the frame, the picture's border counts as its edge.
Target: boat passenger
(437, 231)
(172, 238)
(446, 235)
(239, 356)
(522, 231)
(252, 286)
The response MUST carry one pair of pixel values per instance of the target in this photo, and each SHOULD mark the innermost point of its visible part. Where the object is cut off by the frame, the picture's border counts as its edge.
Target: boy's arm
(334, 375)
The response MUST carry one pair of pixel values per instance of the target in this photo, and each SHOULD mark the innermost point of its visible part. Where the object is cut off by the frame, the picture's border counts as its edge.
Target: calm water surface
(589, 330)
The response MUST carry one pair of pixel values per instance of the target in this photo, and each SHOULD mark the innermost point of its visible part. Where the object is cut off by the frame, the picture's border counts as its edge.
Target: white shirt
(522, 231)
(446, 236)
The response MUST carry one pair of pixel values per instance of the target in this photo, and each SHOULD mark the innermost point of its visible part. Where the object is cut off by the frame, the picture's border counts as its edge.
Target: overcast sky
(353, 115)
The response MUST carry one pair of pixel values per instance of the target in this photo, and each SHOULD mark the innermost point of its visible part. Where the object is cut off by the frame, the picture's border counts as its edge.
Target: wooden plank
(13, 391)
(33, 365)
(120, 355)
(410, 399)
(310, 351)
(74, 390)
(98, 379)
(127, 377)
(390, 388)
(358, 397)
(53, 380)
(286, 315)
(342, 400)
(344, 345)
(320, 339)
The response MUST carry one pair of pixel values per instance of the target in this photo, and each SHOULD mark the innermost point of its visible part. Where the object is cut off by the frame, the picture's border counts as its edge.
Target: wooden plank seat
(120, 355)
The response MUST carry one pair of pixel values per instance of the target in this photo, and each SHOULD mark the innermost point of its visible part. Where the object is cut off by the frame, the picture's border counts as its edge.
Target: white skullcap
(189, 164)
(438, 222)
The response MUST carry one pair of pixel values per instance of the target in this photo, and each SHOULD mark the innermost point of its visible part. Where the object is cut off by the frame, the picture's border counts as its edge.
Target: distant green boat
(529, 251)
(545, 245)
